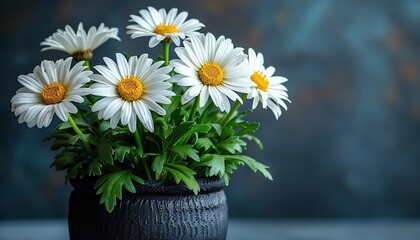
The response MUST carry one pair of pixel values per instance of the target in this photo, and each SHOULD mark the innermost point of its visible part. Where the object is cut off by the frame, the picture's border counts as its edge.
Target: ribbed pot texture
(158, 210)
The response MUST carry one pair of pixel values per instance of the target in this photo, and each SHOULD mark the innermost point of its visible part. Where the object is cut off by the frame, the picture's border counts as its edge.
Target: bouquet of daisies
(136, 118)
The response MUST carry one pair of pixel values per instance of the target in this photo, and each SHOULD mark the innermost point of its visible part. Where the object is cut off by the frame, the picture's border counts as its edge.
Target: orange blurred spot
(64, 11)
(415, 112)
(391, 95)
(282, 17)
(217, 7)
(395, 40)
(408, 71)
(253, 37)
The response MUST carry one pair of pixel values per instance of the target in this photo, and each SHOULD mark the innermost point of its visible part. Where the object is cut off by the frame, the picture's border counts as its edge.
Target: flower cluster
(139, 118)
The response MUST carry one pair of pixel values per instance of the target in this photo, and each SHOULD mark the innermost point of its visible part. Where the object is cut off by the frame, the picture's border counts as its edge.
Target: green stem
(194, 108)
(206, 109)
(78, 131)
(140, 147)
(166, 52)
(91, 98)
(231, 112)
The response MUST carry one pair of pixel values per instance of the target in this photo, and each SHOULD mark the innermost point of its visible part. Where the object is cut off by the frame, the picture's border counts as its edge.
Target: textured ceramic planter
(159, 210)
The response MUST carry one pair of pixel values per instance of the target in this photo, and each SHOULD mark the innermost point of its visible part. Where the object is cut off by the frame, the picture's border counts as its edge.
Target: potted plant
(148, 144)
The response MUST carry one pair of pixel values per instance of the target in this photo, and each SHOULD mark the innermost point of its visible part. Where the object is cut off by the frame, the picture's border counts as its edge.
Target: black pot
(158, 210)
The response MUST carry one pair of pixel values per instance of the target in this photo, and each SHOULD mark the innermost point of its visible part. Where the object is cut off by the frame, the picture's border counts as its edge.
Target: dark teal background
(349, 146)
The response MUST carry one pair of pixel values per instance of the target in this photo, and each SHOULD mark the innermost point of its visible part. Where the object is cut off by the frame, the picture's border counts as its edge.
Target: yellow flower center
(162, 29)
(130, 88)
(211, 74)
(53, 93)
(260, 79)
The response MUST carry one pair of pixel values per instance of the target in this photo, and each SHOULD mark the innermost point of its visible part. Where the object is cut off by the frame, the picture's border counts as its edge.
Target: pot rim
(153, 187)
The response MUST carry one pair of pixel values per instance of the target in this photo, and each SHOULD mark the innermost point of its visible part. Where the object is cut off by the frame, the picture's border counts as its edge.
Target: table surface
(248, 230)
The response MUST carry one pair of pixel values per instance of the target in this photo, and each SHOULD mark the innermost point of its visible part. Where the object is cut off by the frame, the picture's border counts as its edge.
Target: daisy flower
(49, 90)
(212, 68)
(161, 25)
(269, 90)
(130, 90)
(79, 44)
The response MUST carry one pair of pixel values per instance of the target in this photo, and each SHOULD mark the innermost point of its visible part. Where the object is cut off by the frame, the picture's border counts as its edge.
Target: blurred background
(348, 147)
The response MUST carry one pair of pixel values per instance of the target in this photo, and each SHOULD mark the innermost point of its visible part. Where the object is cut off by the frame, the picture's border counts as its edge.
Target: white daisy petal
(115, 119)
(132, 123)
(154, 107)
(123, 65)
(269, 89)
(74, 98)
(107, 76)
(143, 113)
(153, 42)
(204, 96)
(50, 90)
(159, 98)
(112, 108)
(187, 96)
(215, 96)
(188, 81)
(269, 71)
(159, 25)
(79, 44)
(126, 111)
(255, 102)
(211, 67)
(30, 83)
(101, 104)
(104, 91)
(70, 106)
(43, 115)
(24, 98)
(60, 110)
(139, 88)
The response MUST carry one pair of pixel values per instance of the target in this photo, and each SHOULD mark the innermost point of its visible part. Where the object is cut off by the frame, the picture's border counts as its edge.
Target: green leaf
(74, 171)
(184, 174)
(199, 128)
(110, 187)
(217, 127)
(227, 132)
(175, 101)
(186, 150)
(255, 139)
(64, 160)
(105, 151)
(179, 116)
(226, 178)
(177, 133)
(251, 163)
(158, 162)
(58, 135)
(120, 130)
(184, 130)
(205, 143)
(105, 125)
(238, 117)
(121, 151)
(74, 139)
(248, 128)
(217, 165)
(79, 122)
(166, 128)
(232, 145)
(94, 168)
